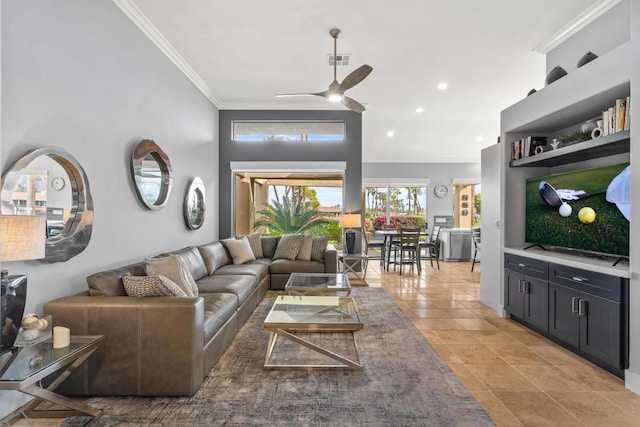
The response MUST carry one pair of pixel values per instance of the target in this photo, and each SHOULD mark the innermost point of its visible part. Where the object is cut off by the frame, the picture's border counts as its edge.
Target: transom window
(244, 131)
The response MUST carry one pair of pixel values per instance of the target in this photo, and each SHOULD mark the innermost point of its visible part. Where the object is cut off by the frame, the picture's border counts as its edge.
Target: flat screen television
(585, 210)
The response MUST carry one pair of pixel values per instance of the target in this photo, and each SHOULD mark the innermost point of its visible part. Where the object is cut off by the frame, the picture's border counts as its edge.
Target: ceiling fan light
(335, 97)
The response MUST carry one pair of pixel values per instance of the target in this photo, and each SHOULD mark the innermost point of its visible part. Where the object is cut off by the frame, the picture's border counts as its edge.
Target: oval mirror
(194, 204)
(151, 170)
(49, 182)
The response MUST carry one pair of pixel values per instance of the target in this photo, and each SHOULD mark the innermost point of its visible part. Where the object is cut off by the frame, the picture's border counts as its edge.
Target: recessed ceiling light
(390, 133)
(443, 85)
(419, 110)
(479, 138)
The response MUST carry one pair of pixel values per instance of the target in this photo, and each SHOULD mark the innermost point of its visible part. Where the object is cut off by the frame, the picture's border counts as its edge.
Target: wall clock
(440, 190)
(57, 183)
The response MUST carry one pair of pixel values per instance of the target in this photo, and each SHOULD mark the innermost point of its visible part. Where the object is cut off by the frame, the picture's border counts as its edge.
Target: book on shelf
(617, 118)
(528, 146)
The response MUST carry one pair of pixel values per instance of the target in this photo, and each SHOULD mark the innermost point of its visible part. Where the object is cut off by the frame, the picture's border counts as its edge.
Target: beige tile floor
(518, 376)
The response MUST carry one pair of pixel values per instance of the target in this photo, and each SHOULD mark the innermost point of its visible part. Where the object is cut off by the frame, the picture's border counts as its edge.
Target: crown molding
(581, 21)
(142, 22)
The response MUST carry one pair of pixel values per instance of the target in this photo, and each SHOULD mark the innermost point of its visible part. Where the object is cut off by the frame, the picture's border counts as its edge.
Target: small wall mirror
(151, 170)
(50, 183)
(194, 204)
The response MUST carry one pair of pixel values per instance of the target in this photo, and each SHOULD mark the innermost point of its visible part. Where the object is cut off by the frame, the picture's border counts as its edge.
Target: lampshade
(351, 221)
(22, 238)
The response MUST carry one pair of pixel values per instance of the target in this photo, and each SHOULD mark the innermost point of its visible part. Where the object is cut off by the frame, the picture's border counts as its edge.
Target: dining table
(389, 236)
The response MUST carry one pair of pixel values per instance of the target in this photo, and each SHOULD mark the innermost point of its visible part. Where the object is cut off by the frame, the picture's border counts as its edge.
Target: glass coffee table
(317, 283)
(24, 368)
(292, 316)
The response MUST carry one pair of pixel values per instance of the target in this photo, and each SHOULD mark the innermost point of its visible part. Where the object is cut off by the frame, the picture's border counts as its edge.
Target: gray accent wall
(81, 76)
(349, 151)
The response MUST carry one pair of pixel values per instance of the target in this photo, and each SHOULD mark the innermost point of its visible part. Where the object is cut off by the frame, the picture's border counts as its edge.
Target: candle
(61, 337)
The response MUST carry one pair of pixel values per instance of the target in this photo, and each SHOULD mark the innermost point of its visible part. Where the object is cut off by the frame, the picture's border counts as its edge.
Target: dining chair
(378, 243)
(389, 242)
(409, 247)
(433, 245)
(475, 236)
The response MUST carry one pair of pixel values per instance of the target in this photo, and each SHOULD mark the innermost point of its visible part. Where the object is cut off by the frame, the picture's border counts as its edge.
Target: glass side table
(22, 369)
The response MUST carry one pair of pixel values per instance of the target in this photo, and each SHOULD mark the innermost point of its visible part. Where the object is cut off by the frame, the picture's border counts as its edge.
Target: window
(309, 131)
(396, 205)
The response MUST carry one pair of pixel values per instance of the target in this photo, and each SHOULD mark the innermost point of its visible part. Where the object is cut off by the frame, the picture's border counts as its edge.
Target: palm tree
(290, 216)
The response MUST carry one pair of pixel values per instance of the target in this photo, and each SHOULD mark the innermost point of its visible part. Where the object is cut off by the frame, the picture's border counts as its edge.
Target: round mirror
(151, 170)
(50, 183)
(194, 204)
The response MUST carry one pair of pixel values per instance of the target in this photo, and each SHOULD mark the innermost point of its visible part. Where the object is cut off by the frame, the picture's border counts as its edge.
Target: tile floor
(518, 376)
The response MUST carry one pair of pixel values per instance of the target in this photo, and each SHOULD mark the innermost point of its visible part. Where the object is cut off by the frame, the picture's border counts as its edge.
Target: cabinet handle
(582, 307)
(579, 279)
(525, 287)
(574, 304)
(522, 265)
(521, 286)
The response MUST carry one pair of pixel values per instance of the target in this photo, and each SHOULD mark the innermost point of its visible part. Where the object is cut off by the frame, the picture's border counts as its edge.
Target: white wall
(81, 76)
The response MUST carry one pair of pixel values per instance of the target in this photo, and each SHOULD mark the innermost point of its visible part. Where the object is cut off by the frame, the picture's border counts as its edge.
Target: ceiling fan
(336, 90)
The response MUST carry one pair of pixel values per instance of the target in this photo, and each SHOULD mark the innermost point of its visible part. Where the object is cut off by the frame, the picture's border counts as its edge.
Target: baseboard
(632, 381)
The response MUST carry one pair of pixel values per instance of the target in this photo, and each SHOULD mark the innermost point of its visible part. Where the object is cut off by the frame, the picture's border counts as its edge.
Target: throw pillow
(288, 246)
(173, 268)
(256, 244)
(240, 250)
(318, 247)
(306, 248)
(151, 286)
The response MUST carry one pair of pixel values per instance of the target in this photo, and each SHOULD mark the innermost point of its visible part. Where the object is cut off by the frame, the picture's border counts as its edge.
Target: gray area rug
(404, 383)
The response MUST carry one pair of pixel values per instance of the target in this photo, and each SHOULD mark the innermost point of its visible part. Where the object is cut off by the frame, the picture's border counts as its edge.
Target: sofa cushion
(306, 247)
(288, 246)
(285, 266)
(239, 285)
(269, 244)
(319, 245)
(109, 283)
(259, 270)
(151, 286)
(193, 261)
(240, 250)
(173, 268)
(218, 308)
(214, 256)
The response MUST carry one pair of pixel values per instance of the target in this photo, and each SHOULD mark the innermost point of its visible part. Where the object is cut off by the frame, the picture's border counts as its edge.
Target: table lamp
(350, 221)
(22, 238)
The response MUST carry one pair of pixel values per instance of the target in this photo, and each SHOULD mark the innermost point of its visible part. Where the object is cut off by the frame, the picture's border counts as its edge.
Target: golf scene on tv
(587, 210)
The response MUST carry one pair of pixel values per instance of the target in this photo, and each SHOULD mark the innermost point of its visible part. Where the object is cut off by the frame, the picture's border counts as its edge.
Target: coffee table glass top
(314, 312)
(30, 360)
(318, 281)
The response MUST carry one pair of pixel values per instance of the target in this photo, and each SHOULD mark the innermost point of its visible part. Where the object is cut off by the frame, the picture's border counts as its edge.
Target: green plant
(289, 216)
(331, 229)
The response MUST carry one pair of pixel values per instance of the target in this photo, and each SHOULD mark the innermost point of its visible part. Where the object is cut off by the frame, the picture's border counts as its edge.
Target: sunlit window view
(467, 205)
(394, 205)
(282, 203)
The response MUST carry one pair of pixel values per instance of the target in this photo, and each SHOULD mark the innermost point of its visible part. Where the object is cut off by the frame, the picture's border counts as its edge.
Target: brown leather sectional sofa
(165, 346)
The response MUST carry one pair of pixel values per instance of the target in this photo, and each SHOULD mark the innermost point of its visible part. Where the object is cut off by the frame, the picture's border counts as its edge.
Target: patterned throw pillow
(151, 286)
(318, 247)
(256, 244)
(306, 248)
(172, 267)
(288, 246)
(240, 250)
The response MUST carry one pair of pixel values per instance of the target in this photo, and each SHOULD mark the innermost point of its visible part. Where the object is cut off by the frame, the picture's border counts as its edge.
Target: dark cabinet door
(564, 322)
(600, 328)
(513, 295)
(536, 302)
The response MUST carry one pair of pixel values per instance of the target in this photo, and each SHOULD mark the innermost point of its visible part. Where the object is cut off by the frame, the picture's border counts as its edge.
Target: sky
(327, 196)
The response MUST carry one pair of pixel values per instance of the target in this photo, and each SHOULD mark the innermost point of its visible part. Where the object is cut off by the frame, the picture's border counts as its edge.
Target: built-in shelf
(609, 145)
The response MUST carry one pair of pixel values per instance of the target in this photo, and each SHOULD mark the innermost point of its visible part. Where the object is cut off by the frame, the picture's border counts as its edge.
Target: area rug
(404, 383)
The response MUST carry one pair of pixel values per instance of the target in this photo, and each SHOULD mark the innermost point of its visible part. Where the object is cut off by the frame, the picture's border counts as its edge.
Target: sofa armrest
(331, 259)
(152, 347)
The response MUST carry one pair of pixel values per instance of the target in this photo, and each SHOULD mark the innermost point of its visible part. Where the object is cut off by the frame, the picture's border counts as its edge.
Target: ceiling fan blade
(286, 95)
(353, 105)
(355, 77)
